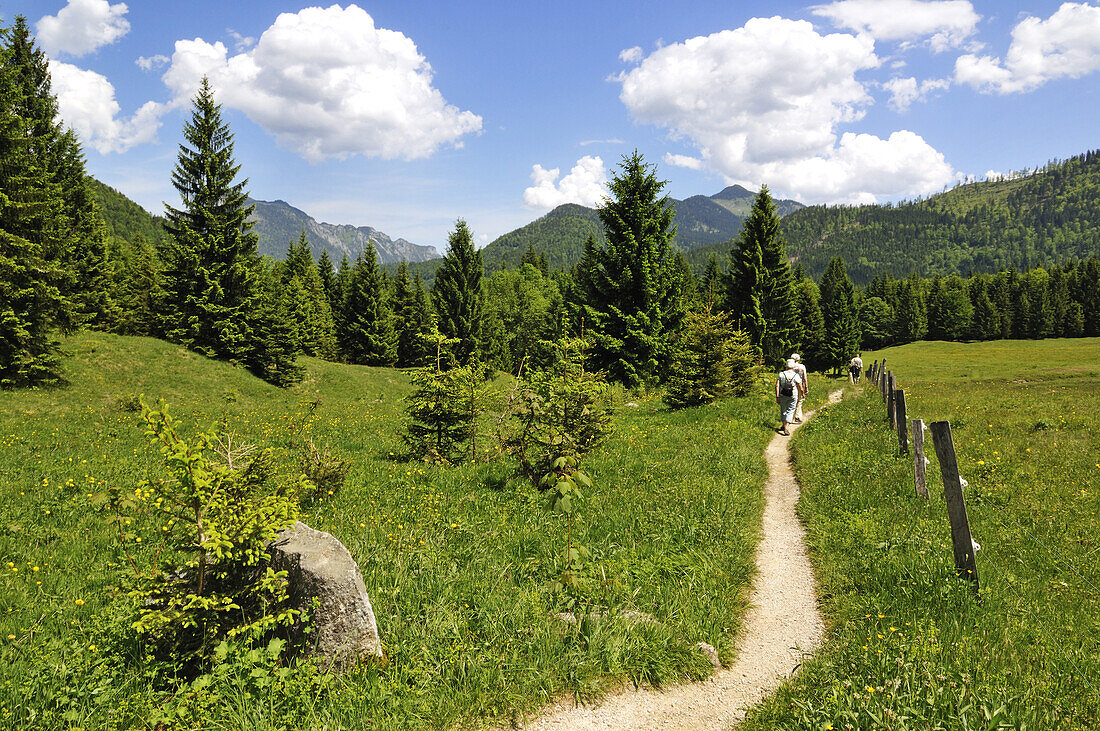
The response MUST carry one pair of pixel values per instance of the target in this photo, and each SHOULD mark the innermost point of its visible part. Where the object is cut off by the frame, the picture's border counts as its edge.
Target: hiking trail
(782, 626)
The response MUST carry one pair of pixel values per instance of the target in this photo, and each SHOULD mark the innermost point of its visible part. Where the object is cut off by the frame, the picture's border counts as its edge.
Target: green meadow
(909, 646)
(457, 560)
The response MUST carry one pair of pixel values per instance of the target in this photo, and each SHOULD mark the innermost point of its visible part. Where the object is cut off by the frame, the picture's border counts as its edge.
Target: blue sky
(408, 115)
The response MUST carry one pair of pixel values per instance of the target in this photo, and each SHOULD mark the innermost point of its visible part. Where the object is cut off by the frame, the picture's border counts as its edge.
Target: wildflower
(80, 602)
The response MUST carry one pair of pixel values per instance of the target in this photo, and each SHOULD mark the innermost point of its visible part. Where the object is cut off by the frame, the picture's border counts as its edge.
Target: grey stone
(711, 654)
(318, 565)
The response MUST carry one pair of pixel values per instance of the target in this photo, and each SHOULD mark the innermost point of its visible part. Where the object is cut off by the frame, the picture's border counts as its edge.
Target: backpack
(786, 388)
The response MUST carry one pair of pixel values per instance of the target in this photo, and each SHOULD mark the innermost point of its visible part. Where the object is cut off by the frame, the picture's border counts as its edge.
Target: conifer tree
(33, 308)
(305, 304)
(212, 300)
(808, 303)
(412, 319)
(701, 370)
(327, 274)
(711, 290)
(838, 309)
(457, 293)
(912, 316)
(985, 324)
(628, 291)
(368, 337)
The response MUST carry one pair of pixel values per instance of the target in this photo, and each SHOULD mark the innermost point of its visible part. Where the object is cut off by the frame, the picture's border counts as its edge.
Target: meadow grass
(909, 647)
(457, 560)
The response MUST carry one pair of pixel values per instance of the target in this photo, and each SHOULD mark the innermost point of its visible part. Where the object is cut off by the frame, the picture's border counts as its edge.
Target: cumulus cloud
(905, 91)
(944, 23)
(762, 103)
(1065, 45)
(86, 102)
(148, 63)
(81, 27)
(585, 184)
(326, 82)
(684, 161)
(631, 55)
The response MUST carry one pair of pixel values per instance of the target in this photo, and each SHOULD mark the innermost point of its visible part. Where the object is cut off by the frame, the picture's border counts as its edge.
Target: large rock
(320, 566)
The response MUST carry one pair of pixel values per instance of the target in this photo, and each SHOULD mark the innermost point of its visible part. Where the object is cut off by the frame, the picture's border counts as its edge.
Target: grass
(457, 560)
(908, 645)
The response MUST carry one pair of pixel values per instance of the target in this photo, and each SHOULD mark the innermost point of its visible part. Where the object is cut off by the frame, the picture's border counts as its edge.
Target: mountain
(125, 219)
(1043, 218)
(278, 224)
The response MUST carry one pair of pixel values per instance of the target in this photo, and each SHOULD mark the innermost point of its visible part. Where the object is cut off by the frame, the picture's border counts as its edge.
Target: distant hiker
(800, 368)
(788, 387)
(855, 368)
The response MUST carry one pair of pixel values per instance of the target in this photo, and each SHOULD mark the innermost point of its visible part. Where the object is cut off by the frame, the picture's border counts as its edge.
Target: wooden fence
(893, 398)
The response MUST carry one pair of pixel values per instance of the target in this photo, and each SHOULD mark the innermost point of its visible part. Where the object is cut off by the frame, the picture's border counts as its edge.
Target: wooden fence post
(961, 541)
(919, 464)
(900, 423)
(882, 385)
(890, 398)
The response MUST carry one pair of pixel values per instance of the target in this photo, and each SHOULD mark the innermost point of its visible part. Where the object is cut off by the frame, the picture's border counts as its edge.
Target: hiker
(800, 368)
(855, 368)
(788, 387)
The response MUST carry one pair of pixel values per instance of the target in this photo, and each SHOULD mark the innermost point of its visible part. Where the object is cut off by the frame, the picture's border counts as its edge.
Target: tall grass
(909, 647)
(457, 560)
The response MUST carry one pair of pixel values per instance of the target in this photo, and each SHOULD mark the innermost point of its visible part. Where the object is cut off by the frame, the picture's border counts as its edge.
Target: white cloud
(944, 23)
(240, 42)
(1067, 44)
(763, 103)
(631, 55)
(905, 91)
(684, 161)
(148, 63)
(585, 184)
(327, 83)
(81, 27)
(86, 102)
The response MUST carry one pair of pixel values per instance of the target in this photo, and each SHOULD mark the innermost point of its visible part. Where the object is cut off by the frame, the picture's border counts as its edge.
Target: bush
(711, 360)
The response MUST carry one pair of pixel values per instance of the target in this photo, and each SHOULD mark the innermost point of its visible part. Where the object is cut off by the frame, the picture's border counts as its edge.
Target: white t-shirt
(801, 371)
(857, 362)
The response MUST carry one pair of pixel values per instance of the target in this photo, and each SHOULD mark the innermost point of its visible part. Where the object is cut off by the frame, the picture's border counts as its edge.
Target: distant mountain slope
(1042, 219)
(125, 219)
(278, 224)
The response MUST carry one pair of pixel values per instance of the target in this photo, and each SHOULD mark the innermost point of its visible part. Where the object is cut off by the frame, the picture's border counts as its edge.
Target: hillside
(125, 219)
(278, 224)
(701, 221)
(1042, 219)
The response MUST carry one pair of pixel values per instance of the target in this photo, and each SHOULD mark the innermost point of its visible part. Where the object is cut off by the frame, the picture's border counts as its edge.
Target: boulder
(318, 565)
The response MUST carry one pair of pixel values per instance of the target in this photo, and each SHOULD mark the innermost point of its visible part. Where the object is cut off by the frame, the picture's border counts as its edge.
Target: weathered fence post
(961, 540)
(900, 423)
(882, 384)
(919, 462)
(890, 398)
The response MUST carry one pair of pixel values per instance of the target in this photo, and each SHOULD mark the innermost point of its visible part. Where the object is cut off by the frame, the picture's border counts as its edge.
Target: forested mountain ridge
(278, 224)
(1045, 218)
(124, 218)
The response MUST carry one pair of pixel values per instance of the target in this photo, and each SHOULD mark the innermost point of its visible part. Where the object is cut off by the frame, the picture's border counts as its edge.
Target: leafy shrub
(563, 411)
(215, 514)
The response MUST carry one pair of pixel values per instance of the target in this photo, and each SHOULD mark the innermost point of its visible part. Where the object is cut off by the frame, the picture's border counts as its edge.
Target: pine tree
(457, 293)
(305, 304)
(776, 331)
(912, 316)
(327, 274)
(838, 309)
(701, 363)
(368, 337)
(808, 303)
(711, 290)
(33, 225)
(212, 300)
(629, 297)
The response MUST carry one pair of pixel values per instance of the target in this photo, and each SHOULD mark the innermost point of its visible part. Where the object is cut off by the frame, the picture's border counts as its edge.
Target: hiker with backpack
(788, 388)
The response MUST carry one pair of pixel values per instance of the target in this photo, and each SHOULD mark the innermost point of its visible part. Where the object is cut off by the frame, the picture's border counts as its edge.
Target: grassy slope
(456, 562)
(909, 648)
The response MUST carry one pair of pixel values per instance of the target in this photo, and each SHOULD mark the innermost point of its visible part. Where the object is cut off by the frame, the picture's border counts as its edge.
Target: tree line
(645, 317)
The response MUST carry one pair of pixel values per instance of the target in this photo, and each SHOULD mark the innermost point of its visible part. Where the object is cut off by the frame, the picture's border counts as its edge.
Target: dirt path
(782, 625)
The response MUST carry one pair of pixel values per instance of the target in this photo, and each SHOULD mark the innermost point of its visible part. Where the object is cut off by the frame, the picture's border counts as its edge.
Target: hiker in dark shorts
(855, 368)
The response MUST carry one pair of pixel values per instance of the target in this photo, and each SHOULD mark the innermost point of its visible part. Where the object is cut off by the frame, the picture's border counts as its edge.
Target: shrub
(711, 360)
(209, 582)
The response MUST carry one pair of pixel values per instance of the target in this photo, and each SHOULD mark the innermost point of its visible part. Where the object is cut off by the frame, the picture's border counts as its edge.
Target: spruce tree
(838, 309)
(368, 337)
(457, 293)
(701, 371)
(711, 289)
(629, 296)
(412, 319)
(808, 303)
(212, 300)
(33, 224)
(911, 314)
(305, 303)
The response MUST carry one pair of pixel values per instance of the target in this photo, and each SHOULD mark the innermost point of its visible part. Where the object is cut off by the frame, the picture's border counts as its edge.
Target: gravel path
(783, 624)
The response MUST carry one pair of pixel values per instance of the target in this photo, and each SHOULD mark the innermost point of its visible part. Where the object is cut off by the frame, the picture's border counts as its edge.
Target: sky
(408, 115)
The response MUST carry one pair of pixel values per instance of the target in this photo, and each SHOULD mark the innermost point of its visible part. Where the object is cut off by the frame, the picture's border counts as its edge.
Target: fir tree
(368, 337)
(457, 293)
(412, 319)
(305, 304)
(628, 291)
(33, 308)
(778, 329)
(912, 316)
(711, 290)
(808, 303)
(701, 371)
(212, 300)
(838, 309)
